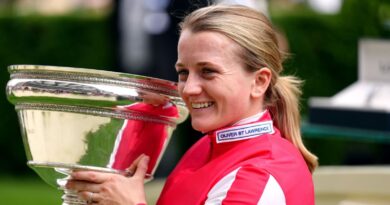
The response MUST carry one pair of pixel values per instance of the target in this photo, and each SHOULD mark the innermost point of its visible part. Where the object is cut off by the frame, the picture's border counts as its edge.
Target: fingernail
(147, 159)
(73, 175)
(129, 172)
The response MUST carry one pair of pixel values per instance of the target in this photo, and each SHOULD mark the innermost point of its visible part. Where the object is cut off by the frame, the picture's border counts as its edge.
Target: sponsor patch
(244, 132)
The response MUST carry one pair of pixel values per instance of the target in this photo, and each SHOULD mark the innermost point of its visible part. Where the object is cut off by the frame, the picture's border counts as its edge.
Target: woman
(229, 69)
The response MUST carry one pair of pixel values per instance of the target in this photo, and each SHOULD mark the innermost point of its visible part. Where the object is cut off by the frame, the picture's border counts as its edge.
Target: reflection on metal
(73, 118)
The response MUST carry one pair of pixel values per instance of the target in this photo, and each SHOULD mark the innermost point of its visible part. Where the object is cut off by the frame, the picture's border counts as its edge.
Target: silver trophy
(74, 118)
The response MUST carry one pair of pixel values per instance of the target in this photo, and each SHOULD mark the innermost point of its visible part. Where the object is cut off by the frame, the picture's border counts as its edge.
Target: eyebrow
(198, 64)
(203, 63)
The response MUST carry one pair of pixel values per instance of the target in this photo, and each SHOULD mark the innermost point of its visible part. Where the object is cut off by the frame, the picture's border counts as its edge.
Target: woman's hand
(112, 189)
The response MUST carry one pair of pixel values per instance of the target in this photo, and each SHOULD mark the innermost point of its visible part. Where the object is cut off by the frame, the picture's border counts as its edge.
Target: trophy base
(70, 197)
(61, 174)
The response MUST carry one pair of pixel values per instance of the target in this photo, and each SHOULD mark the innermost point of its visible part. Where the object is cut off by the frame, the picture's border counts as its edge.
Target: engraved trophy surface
(75, 118)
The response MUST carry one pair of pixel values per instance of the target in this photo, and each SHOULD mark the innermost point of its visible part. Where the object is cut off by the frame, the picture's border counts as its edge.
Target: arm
(112, 189)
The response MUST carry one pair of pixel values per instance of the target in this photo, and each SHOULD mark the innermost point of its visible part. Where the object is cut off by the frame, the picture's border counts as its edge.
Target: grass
(34, 191)
(27, 190)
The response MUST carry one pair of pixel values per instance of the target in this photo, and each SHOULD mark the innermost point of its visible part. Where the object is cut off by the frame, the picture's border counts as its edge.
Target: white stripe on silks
(219, 191)
(116, 145)
(272, 194)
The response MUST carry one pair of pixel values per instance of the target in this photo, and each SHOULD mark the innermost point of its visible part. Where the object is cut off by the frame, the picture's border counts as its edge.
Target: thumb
(142, 167)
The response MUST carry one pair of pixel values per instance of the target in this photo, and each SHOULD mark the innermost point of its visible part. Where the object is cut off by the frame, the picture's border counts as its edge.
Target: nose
(192, 86)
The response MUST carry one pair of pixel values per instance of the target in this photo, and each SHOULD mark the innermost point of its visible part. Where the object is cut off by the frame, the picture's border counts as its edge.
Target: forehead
(206, 44)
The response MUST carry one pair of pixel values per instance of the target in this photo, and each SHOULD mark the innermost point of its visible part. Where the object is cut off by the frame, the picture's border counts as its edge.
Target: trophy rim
(93, 76)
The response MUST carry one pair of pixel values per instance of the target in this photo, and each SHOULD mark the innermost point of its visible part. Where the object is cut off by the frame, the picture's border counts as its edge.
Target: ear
(261, 82)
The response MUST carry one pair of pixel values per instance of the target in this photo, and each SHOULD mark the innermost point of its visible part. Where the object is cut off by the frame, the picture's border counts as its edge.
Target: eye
(182, 74)
(208, 72)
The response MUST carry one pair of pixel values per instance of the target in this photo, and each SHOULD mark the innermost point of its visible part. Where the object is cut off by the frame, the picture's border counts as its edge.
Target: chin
(201, 127)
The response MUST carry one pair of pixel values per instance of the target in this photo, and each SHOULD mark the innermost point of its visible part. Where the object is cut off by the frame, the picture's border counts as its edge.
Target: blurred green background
(323, 48)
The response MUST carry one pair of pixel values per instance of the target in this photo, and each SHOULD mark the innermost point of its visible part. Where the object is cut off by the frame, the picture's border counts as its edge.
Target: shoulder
(246, 185)
(284, 152)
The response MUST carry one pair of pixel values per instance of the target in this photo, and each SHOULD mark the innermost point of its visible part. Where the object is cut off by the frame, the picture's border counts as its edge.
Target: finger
(90, 197)
(133, 166)
(90, 176)
(142, 167)
(82, 186)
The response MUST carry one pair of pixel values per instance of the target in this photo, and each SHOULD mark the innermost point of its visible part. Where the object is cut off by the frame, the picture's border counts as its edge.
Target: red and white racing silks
(138, 137)
(249, 163)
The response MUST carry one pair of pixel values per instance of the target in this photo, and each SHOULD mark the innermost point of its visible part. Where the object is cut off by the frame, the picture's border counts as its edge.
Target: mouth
(200, 105)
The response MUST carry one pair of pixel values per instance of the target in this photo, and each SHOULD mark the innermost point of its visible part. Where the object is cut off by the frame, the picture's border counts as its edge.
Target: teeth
(201, 105)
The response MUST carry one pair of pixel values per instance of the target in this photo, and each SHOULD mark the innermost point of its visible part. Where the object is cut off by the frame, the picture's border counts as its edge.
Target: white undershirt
(250, 119)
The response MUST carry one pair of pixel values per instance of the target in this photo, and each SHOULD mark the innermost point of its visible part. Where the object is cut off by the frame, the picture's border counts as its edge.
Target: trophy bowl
(86, 119)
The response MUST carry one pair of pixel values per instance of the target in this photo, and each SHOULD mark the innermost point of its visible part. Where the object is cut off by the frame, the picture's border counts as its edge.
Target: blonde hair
(254, 33)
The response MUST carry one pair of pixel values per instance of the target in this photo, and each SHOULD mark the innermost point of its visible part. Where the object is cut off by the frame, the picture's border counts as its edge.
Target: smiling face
(213, 81)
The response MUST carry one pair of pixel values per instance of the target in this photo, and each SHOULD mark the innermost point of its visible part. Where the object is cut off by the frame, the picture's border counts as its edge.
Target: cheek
(236, 101)
(231, 107)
